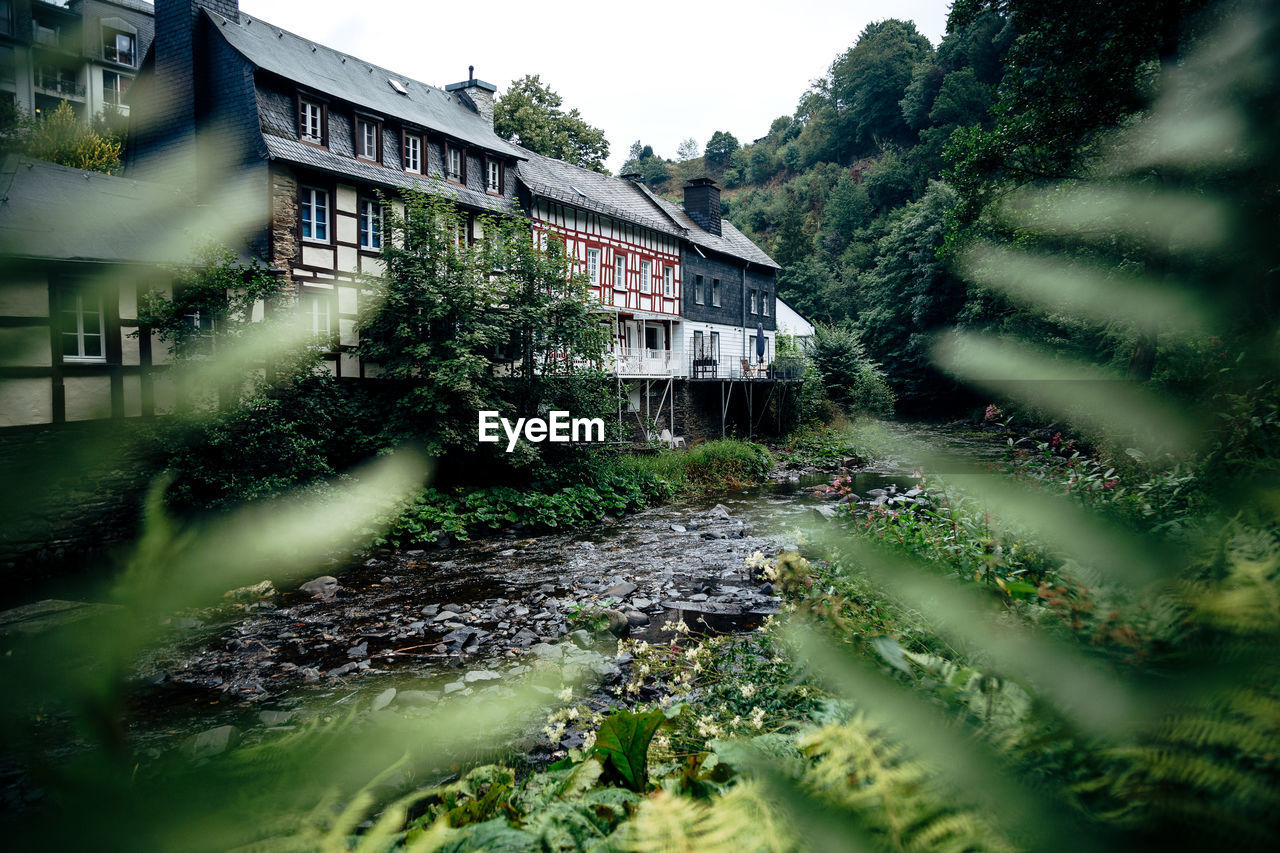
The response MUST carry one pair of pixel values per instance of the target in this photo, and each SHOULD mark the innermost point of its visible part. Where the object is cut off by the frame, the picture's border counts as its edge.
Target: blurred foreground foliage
(1076, 651)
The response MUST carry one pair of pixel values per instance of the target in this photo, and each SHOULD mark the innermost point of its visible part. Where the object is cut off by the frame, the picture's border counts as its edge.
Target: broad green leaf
(623, 741)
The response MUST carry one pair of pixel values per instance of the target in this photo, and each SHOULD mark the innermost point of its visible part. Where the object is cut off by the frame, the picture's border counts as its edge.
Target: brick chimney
(702, 203)
(476, 94)
(164, 118)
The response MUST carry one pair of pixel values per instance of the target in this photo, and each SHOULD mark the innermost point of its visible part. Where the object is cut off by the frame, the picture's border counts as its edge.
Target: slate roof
(354, 80)
(53, 212)
(631, 202)
(326, 161)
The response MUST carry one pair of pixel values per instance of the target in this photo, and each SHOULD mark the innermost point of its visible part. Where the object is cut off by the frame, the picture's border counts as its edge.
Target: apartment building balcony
(65, 89)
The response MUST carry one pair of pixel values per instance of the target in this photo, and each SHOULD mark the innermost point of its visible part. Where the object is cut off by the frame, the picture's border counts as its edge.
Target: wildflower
(565, 695)
(757, 718)
(993, 413)
(748, 690)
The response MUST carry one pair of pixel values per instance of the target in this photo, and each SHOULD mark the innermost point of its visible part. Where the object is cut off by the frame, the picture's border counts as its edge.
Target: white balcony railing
(630, 361)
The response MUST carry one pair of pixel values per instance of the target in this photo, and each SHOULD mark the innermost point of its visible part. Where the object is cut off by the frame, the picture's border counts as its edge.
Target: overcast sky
(659, 71)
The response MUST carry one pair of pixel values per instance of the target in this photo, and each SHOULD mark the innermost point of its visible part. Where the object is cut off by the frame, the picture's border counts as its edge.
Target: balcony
(58, 87)
(632, 361)
(783, 369)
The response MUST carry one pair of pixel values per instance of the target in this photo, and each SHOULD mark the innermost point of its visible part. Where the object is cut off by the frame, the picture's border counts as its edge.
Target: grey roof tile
(362, 83)
(326, 161)
(49, 211)
(632, 202)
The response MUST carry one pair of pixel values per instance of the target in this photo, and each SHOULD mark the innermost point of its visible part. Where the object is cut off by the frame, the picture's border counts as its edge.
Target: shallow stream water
(449, 620)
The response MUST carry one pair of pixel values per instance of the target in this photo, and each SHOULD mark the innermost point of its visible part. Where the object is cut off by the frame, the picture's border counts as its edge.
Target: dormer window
(311, 121)
(368, 139)
(493, 176)
(455, 164)
(118, 47)
(413, 153)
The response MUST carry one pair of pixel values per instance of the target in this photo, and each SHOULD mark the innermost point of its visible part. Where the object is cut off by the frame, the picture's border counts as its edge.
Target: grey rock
(343, 670)
(447, 616)
(430, 610)
(309, 674)
(586, 546)
(619, 590)
(700, 596)
(275, 718)
(453, 687)
(641, 603)
(383, 699)
(720, 511)
(618, 624)
(581, 639)
(679, 528)
(481, 675)
(212, 742)
(637, 619)
(359, 652)
(546, 651)
(415, 697)
(324, 585)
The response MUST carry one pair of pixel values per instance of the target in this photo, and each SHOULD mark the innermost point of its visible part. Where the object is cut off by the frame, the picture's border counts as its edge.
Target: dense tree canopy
(531, 113)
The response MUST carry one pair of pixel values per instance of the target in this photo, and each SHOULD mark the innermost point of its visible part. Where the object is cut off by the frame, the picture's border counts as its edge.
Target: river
(435, 622)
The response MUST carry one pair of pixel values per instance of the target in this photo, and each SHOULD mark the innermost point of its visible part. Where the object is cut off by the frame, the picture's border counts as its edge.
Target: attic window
(578, 191)
(398, 86)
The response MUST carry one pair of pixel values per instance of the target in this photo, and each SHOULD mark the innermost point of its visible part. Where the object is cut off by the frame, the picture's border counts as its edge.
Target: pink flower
(993, 413)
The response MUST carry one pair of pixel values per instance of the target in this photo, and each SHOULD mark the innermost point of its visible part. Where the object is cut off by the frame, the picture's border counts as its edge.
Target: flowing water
(423, 620)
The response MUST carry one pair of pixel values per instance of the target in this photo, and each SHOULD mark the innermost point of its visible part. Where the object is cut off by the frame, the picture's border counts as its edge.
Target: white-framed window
(310, 121)
(367, 139)
(493, 176)
(413, 153)
(668, 281)
(751, 302)
(114, 87)
(315, 215)
(593, 267)
(315, 312)
(699, 351)
(454, 164)
(118, 46)
(764, 302)
(370, 225)
(619, 271)
(699, 290)
(81, 324)
(714, 351)
(646, 276)
(715, 292)
(204, 325)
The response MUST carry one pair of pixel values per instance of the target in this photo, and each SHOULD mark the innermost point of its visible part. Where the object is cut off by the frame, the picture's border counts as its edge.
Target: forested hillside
(895, 158)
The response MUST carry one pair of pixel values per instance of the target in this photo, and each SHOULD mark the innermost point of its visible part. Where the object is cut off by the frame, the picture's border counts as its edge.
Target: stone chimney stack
(164, 118)
(702, 203)
(476, 94)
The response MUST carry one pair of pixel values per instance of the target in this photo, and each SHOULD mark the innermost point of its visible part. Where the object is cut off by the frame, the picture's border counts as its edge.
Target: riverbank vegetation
(1071, 647)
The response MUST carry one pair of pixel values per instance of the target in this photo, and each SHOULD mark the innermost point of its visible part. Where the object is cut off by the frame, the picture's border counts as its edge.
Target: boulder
(321, 587)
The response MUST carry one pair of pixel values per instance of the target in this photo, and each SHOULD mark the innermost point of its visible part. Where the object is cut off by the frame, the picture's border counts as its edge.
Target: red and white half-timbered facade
(635, 276)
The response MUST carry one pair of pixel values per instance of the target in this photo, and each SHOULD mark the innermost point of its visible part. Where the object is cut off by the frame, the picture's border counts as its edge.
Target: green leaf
(623, 742)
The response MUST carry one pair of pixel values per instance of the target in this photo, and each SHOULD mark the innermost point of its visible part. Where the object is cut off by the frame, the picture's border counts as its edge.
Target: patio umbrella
(760, 342)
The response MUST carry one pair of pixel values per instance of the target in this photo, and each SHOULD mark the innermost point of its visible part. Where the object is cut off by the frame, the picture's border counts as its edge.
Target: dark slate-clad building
(293, 140)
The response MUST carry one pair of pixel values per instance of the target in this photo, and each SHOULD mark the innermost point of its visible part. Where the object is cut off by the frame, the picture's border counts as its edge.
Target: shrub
(851, 380)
